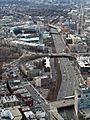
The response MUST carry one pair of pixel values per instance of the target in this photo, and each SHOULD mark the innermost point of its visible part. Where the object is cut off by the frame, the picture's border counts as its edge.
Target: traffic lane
(54, 31)
(58, 43)
(39, 99)
(61, 92)
(69, 69)
(68, 113)
(65, 67)
(67, 78)
(59, 48)
(72, 79)
(34, 94)
(53, 71)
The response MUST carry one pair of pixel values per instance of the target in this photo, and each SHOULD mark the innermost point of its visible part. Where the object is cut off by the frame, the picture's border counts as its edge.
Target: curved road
(68, 80)
(67, 71)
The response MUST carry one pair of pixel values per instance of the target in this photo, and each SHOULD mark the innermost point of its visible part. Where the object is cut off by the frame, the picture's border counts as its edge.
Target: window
(86, 95)
(79, 96)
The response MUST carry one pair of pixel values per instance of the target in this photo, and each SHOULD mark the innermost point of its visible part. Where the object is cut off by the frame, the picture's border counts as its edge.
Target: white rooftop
(29, 113)
(25, 43)
(11, 98)
(30, 39)
(83, 61)
(47, 62)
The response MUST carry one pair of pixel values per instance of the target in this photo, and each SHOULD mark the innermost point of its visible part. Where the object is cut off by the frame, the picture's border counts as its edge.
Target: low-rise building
(75, 39)
(82, 101)
(84, 64)
(39, 80)
(9, 101)
(35, 115)
(3, 89)
(82, 47)
(11, 113)
(46, 64)
(14, 85)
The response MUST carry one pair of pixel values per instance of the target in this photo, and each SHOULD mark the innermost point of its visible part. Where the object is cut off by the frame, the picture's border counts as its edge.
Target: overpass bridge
(55, 115)
(27, 57)
(63, 103)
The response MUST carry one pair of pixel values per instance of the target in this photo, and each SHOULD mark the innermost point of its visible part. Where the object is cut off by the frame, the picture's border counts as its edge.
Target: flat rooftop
(85, 112)
(83, 61)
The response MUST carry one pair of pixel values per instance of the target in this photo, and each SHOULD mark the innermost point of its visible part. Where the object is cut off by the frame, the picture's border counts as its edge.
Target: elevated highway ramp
(63, 103)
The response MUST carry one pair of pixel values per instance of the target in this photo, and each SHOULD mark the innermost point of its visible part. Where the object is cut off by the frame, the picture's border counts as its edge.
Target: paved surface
(63, 103)
(68, 80)
(55, 115)
(41, 102)
(68, 113)
(67, 71)
(53, 71)
(36, 95)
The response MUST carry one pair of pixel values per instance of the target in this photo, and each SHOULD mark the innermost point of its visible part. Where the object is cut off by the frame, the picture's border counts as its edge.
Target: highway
(68, 113)
(67, 71)
(68, 77)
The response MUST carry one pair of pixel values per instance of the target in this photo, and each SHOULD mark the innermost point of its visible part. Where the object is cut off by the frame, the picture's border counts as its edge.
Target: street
(67, 71)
